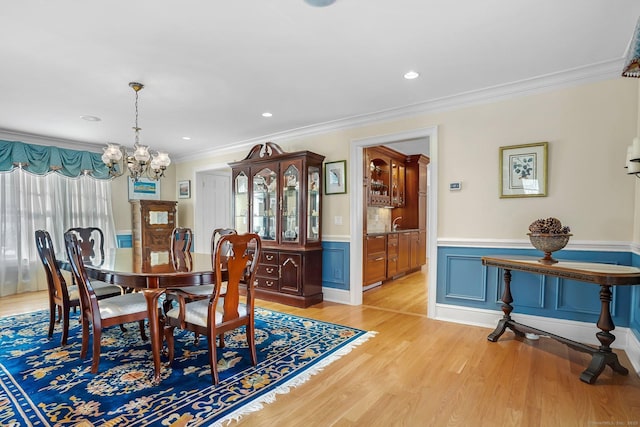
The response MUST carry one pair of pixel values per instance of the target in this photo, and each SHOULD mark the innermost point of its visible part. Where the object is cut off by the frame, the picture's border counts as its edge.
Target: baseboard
(633, 350)
(340, 296)
(583, 332)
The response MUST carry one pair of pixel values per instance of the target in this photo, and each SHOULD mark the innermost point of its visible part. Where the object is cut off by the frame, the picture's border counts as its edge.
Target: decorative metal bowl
(549, 243)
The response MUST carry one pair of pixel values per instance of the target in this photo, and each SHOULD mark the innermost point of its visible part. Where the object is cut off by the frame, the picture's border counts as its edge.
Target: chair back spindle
(91, 241)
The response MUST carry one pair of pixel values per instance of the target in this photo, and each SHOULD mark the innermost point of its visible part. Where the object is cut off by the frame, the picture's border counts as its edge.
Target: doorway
(429, 136)
(406, 292)
(212, 205)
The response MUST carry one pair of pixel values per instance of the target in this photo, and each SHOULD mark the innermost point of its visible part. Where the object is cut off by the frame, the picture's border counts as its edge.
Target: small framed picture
(523, 170)
(144, 189)
(335, 177)
(184, 189)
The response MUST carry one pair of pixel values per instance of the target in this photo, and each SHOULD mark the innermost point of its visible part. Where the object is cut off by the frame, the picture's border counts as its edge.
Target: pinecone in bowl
(549, 235)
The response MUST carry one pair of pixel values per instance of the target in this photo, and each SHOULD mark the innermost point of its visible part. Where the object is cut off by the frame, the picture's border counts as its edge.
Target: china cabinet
(278, 195)
(386, 177)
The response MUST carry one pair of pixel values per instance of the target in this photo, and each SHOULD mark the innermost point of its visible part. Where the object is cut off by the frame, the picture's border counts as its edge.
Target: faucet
(394, 224)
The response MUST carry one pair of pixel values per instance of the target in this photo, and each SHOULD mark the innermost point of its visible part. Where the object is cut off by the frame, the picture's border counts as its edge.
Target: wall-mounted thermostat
(455, 186)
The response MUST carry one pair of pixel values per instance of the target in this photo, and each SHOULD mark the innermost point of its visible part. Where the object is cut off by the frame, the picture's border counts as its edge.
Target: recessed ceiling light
(319, 3)
(267, 114)
(410, 75)
(186, 138)
(91, 118)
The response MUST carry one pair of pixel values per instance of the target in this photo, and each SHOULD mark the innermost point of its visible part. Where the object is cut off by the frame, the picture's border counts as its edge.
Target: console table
(605, 275)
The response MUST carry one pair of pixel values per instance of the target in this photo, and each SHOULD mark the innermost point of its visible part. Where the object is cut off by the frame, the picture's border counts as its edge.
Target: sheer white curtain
(51, 202)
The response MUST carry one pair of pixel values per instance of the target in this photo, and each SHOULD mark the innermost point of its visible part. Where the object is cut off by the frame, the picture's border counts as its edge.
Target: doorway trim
(357, 209)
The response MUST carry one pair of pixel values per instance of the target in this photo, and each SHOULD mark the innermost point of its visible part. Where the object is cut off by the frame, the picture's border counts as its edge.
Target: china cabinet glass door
(241, 203)
(265, 187)
(313, 204)
(291, 205)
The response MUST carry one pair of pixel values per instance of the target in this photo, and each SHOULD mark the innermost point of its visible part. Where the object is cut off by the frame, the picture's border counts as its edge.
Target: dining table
(151, 273)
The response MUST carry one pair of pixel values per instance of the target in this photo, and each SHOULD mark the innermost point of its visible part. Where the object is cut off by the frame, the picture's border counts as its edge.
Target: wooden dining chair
(181, 239)
(223, 310)
(91, 241)
(62, 297)
(103, 313)
(203, 291)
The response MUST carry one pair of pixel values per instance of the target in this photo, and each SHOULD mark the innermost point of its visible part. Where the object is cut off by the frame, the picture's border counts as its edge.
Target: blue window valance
(41, 159)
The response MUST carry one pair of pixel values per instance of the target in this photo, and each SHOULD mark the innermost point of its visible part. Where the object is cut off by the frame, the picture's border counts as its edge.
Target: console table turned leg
(507, 308)
(604, 356)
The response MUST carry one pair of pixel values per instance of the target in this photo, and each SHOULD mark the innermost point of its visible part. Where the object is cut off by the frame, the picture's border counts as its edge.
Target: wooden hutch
(278, 195)
(152, 222)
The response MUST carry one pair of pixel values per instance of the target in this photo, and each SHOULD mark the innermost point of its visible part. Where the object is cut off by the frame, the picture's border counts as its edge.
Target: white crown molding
(576, 245)
(548, 82)
(554, 81)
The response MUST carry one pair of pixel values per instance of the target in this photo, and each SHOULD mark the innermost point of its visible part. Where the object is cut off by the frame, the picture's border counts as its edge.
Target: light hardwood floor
(423, 372)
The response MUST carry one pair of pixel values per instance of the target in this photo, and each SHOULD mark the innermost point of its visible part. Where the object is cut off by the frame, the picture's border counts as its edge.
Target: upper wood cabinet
(414, 213)
(278, 196)
(385, 177)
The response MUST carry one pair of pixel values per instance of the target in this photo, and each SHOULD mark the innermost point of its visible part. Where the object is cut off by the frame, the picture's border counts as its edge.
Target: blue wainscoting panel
(124, 240)
(462, 273)
(462, 280)
(335, 265)
(634, 324)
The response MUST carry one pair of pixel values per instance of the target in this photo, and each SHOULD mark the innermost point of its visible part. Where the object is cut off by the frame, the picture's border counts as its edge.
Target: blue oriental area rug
(44, 384)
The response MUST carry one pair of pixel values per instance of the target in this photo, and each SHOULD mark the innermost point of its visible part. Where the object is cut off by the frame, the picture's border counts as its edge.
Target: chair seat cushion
(122, 305)
(196, 312)
(101, 289)
(197, 290)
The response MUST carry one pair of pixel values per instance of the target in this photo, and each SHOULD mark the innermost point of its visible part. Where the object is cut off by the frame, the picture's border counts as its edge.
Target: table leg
(604, 356)
(151, 296)
(507, 308)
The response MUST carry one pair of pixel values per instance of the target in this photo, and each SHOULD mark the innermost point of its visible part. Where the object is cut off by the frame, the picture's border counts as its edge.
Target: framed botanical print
(523, 170)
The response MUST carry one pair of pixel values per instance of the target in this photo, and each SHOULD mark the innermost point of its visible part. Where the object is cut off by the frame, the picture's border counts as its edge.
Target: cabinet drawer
(267, 283)
(269, 257)
(376, 244)
(375, 269)
(392, 245)
(267, 271)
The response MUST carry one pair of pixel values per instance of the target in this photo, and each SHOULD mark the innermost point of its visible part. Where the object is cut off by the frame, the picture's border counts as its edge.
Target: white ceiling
(212, 67)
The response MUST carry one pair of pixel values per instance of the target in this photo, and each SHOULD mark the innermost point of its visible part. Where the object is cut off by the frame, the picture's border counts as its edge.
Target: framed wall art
(335, 177)
(184, 189)
(523, 170)
(144, 189)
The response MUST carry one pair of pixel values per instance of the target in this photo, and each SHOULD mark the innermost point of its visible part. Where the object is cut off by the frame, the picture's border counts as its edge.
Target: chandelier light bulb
(142, 153)
(163, 159)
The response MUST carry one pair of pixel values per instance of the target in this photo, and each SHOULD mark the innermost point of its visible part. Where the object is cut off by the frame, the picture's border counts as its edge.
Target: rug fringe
(299, 379)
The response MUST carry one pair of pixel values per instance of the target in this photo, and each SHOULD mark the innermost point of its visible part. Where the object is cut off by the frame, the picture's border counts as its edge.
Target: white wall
(588, 129)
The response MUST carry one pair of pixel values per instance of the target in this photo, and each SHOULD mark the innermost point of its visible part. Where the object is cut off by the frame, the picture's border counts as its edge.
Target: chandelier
(141, 162)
